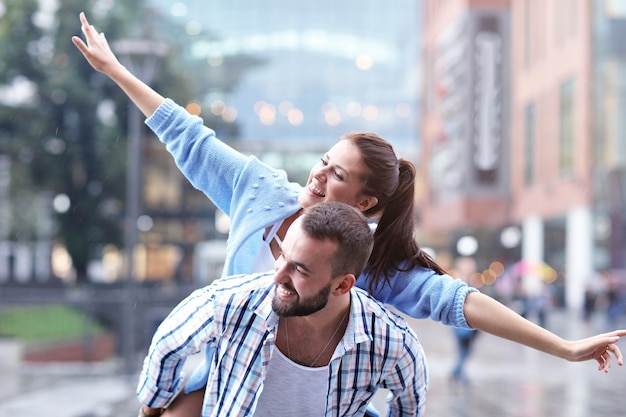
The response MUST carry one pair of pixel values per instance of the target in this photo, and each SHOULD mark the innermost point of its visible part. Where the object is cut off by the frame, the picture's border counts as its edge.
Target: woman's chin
(307, 199)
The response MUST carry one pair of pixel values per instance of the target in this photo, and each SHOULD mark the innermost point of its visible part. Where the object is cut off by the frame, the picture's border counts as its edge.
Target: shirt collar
(359, 327)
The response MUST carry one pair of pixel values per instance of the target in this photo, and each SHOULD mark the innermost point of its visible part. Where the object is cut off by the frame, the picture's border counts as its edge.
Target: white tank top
(292, 390)
(265, 259)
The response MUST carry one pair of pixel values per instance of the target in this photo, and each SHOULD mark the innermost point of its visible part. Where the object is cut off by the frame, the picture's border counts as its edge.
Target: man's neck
(311, 340)
(321, 321)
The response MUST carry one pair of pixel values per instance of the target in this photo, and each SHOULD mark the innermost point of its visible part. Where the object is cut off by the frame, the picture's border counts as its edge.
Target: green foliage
(51, 323)
(57, 142)
(59, 138)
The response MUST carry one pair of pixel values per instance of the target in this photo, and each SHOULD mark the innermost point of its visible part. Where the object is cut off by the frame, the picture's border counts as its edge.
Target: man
(298, 341)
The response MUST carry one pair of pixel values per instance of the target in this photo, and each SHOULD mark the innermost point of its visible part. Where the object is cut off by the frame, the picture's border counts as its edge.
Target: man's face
(303, 274)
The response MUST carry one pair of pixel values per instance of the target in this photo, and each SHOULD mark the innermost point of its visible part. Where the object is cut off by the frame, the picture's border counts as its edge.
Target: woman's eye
(323, 162)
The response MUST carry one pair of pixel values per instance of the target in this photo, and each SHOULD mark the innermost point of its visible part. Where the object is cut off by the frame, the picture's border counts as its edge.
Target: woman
(361, 170)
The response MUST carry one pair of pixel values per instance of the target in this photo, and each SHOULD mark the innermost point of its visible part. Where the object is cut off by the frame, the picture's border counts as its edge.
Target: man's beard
(302, 307)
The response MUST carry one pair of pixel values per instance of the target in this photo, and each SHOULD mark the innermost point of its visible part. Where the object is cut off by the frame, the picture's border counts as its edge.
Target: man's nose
(279, 271)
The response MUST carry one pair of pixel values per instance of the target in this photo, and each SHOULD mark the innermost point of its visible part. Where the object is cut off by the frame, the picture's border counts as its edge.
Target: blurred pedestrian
(535, 290)
(589, 303)
(464, 268)
(614, 294)
(464, 342)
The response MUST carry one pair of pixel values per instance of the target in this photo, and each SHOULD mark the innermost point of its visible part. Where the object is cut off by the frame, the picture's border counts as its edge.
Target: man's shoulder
(242, 285)
(242, 282)
(382, 328)
(237, 294)
(381, 314)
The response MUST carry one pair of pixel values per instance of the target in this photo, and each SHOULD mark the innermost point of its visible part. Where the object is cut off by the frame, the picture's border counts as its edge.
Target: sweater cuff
(161, 115)
(461, 295)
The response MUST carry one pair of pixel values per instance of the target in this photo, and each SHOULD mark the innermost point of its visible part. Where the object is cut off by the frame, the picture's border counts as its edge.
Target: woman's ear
(366, 203)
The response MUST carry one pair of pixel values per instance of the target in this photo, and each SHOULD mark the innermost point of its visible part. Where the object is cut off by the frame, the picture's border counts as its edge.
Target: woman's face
(337, 177)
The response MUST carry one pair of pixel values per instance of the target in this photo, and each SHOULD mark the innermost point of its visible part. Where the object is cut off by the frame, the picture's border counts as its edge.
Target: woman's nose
(321, 173)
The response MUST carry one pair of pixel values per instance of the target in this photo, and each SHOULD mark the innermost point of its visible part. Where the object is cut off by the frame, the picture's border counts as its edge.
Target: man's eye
(300, 270)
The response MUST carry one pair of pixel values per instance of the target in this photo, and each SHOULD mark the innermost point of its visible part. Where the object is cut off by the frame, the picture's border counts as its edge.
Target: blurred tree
(62, 124)
(57, 126)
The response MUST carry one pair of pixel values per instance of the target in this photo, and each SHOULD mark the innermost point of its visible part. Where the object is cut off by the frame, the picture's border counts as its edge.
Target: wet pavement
(506, 380)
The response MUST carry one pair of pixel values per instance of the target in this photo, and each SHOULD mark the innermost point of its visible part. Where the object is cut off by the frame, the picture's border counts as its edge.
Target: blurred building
(325, 68)
(522, 130)
(465, 158)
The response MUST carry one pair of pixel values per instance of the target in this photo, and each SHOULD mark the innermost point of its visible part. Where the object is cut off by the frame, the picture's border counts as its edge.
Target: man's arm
(184, 332)
(411, 375)
(484, 313)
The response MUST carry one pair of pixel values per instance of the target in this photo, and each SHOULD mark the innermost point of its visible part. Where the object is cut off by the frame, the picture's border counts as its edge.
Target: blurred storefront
(547, 81)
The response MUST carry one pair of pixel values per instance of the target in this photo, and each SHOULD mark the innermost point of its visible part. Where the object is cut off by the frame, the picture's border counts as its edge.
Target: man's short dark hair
(346, 226)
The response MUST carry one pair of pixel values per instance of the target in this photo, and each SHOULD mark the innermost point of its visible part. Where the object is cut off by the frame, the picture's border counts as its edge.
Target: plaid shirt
(234, 316)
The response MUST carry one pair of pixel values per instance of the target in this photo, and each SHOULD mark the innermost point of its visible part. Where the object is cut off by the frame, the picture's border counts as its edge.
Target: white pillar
(43, 254)
(532, 241)
(578, 255)
(23, 262)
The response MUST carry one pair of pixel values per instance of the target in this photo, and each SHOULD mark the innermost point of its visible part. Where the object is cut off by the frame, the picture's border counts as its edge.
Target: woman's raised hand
(96, 50)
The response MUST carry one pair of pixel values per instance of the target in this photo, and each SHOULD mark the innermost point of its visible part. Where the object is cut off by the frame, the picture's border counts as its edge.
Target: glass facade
(610, 82)
(321, 69)
(609, 145)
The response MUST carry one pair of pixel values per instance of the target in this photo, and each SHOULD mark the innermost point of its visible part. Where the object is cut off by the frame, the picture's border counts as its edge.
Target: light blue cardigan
(255, 196)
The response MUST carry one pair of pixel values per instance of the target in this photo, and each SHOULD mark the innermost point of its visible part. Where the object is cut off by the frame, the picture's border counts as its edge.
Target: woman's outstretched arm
(484, 313)
(100, 56)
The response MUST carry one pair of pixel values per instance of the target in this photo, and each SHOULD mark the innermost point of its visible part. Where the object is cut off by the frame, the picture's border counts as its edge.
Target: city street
(506, 380)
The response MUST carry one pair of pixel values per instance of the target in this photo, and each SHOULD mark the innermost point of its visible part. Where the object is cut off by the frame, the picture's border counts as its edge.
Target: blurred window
(529, 144)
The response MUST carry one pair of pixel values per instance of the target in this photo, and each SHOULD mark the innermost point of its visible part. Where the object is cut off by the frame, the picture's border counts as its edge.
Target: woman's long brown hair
(392, 182)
